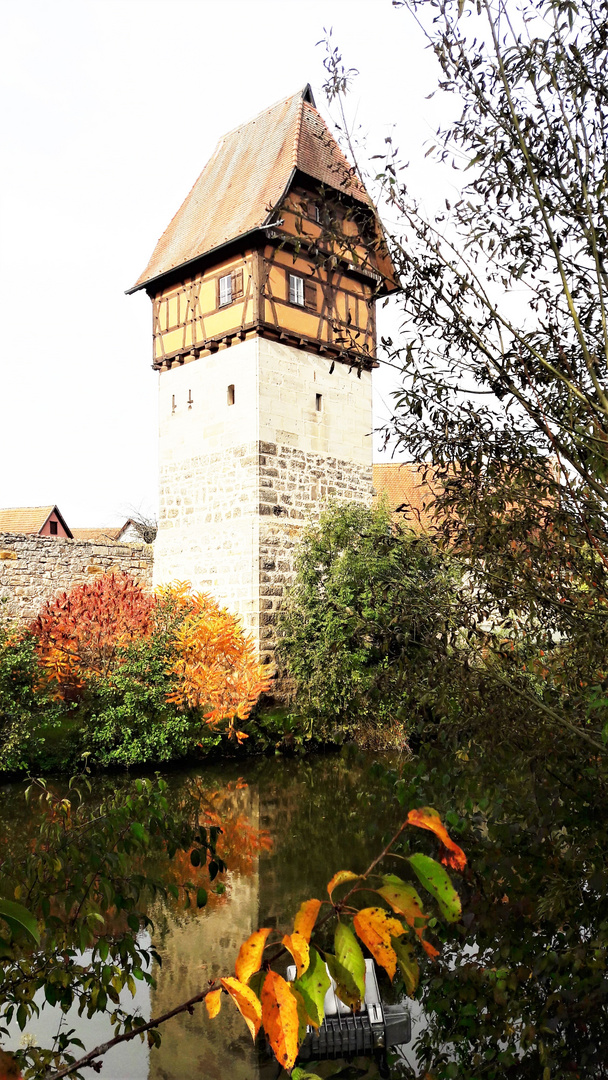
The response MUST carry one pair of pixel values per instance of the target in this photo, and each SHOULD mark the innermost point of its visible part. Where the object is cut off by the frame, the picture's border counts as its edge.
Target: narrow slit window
(225, 294)
(231, 394)
(53, 525)
(319, 402)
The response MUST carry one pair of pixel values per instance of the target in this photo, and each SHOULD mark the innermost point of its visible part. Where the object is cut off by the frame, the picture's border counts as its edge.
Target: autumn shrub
(367, 623)
(81, 634)
(154, 677)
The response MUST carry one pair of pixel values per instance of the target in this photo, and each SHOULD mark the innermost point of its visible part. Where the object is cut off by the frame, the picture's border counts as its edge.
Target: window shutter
(237, 283)
(310, 295)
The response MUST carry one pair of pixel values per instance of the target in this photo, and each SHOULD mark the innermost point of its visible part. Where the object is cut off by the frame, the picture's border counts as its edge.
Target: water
(288, 826)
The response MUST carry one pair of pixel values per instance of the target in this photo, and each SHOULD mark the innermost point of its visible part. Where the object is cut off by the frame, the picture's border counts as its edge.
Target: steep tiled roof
(28, 519)
(404, 486)
(247, 177)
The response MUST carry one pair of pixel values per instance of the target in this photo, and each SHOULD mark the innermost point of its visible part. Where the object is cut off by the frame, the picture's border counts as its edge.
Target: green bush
(127, 720)
(369, 617)
(27, 708)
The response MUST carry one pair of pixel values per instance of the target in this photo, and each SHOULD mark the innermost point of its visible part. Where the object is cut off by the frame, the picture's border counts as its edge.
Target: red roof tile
(405, 487)
(247, 177)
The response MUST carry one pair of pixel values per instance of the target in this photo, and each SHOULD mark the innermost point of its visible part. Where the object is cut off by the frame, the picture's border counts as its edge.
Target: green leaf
(256, 981)
(313, 986)
(19, 918)
(435, 880)
(195, 857)
(300, 1074)
(201, 897)
(407, 963)
(347, 967)
(350, 956)
(139, 832)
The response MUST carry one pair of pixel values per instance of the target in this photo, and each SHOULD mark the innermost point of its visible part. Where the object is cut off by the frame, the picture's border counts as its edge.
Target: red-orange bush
(206, 663)
(80, 632)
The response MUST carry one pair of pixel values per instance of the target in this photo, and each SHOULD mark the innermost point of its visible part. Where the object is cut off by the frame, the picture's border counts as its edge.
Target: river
(288, 825)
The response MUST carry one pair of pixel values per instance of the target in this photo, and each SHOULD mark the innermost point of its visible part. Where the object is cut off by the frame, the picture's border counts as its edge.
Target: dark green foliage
(24, 699)
(368, 618)
(126, 716)
(520, 984)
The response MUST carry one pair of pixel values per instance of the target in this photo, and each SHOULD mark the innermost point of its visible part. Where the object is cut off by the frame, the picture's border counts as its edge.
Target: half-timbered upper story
(278, 237)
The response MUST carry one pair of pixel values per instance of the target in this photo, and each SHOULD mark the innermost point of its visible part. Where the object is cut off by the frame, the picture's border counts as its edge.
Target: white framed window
(296, 290)
(225, 287)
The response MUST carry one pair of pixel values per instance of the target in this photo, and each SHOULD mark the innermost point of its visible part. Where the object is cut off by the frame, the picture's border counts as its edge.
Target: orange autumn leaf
(427, 818)
(250, 955)
(298, 947)
(213, 1002)
(375, 928)
(306, 918)
(9, 1070)
(246, 1002)
(340, 878)
(280, 1018)
(429, 949)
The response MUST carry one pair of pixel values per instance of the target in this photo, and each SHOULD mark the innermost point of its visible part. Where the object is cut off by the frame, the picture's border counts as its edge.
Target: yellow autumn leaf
(375, 927)
(280, 1019)
(404, 900)
(340, 878)
(306, 918)
(250, 955)
(213, 1002)
(246, 1002)
(298, 947)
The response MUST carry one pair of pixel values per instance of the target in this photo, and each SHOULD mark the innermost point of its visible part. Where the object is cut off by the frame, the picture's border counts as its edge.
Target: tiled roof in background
(247, 177)
(111, 533)
(405, 487)
(25, 519)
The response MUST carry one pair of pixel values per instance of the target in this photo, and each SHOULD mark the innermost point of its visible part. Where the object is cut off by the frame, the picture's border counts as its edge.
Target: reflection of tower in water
(197, 948)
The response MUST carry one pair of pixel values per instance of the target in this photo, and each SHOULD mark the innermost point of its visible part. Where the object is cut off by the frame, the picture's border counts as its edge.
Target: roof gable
(247, 177)
(29, 520)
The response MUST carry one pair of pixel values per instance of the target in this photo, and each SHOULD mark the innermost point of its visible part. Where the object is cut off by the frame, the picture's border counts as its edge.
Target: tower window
(296, 290)
(319, 402)
(225, 290)
(53, 528)
(302, 291)
(230, 395)
(230, 286)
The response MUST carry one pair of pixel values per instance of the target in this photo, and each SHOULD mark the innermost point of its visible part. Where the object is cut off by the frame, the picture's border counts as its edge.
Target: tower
(263, 290)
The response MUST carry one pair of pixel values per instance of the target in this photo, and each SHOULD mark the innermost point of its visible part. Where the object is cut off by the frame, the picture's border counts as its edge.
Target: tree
(372, 603)
(504, 342)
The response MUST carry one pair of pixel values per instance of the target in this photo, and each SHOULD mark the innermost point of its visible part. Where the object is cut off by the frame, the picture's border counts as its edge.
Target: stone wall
(294, 489)
(34, 569)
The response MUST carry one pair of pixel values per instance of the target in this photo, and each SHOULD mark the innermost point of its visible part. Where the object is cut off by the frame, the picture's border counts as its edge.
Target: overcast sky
(110, 110)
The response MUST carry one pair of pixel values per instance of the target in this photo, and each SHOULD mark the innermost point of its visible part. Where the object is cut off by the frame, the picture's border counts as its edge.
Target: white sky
(110, 109)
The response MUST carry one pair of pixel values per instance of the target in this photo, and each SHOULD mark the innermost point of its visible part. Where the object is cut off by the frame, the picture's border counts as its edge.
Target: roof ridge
(296, 139)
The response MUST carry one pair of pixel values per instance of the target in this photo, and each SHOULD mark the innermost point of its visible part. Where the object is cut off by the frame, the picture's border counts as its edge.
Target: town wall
(34, 569)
